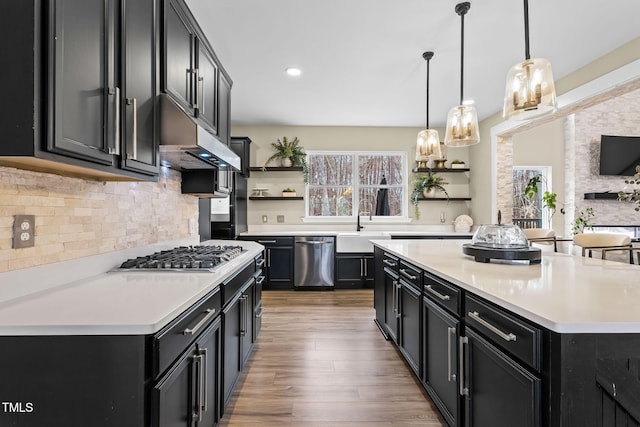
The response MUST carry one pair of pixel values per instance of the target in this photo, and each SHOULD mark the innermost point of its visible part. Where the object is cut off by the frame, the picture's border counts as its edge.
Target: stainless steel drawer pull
(436, 293)
(210, 313)
(260, 280)
(259, 314)
(507, 337)
(407, 275)
(266, 241)
(464, 390)
(389, 263)
(260, 262)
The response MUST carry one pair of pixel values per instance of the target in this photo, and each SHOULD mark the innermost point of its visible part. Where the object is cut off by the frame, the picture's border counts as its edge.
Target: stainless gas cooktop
(184, 258)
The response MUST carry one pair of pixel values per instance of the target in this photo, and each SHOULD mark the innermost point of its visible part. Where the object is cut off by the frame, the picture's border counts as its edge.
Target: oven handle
(210, 312)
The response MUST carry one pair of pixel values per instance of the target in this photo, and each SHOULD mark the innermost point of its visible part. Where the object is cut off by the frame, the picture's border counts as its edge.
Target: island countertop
(564, 293)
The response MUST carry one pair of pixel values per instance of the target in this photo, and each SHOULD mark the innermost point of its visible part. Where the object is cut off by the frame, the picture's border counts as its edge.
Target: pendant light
(462, 121)
(530, 90)
(428, 143)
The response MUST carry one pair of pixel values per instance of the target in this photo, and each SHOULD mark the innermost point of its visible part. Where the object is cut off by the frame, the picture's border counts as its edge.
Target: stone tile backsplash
(77, 218)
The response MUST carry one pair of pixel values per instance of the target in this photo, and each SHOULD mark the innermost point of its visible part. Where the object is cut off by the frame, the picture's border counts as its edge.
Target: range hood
(186, 145)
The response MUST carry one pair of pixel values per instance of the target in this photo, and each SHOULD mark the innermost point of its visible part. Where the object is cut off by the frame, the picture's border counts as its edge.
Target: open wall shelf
(601, 196)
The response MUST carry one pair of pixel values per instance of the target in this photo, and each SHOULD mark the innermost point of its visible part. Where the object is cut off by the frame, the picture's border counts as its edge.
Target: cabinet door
(391, 287)
(246, 322)
(224, 108)
(500, 392)
(82, 91)
(208, 388)
(440, 359)
(179, 41)
(231, 324)
(369, 270)
(206, 88)
(349, 269)
(280, 266)
(139, 147)
(409, 342)
(172, 396)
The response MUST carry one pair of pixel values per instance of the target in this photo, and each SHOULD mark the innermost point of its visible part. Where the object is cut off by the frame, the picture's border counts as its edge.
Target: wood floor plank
(320, 361)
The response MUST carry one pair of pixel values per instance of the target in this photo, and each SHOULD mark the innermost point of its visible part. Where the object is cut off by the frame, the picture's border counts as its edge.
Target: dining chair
(605, 243)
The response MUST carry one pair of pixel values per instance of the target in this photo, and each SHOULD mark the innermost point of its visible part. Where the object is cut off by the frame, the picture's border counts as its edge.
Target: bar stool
(605, 243)
(544, 236)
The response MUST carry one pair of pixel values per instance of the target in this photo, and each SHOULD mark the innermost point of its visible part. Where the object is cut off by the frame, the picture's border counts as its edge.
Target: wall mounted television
(619, 155)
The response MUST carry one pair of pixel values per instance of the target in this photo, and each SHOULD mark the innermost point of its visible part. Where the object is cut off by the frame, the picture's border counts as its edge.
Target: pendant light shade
(530, 91)
(462, 120)
(428, 143)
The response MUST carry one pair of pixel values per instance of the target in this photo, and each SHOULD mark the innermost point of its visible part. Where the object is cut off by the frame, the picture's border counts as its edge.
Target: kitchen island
(128, 348)
(504, 344)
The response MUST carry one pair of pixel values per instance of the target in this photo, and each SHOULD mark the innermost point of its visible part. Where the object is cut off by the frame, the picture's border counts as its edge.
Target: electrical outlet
(24, 228)
(264, 218)
(281, 218)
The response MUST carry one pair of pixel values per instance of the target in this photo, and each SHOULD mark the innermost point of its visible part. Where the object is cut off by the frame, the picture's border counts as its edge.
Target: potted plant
(426, 186)
(581, 221)
(457, 164)
(288, 152)
(289, 192)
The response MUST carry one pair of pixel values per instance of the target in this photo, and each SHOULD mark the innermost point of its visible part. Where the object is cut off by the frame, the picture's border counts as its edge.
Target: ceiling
(362, 62)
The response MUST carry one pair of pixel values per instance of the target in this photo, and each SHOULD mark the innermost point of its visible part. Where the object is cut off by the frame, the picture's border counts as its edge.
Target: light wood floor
(320, 361)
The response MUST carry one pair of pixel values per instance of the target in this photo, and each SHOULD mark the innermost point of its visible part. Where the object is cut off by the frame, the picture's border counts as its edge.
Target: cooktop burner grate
(185, 258)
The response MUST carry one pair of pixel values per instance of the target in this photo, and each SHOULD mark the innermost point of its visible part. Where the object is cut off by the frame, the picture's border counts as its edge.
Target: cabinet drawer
(518, 337)
(232, 285)
(442, 293)
(411, 274)
(174, 339)
(274, 241)
(390, 262)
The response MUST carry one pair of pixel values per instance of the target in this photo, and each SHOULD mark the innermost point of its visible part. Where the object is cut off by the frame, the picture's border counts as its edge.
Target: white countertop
(564, 293)
(114, 303)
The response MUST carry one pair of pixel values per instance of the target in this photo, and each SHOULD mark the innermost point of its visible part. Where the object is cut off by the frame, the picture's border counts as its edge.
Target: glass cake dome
(500, 236)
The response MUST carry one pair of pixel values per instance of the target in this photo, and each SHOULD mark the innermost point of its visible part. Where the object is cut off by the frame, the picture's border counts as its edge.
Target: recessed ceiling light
(293, 71)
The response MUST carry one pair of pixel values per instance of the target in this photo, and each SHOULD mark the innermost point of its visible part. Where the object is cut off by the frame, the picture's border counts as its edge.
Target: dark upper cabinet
(224, 112)
(206, 88)
(241, 146)
(83, 96)
(139, 86)
(192, 74)
(179, 56)
(76, 57)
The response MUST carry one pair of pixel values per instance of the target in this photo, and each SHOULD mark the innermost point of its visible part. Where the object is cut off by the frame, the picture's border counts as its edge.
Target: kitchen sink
(358, 241)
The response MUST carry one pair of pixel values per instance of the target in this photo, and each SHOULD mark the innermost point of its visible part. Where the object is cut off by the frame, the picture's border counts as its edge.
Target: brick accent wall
(77, 218)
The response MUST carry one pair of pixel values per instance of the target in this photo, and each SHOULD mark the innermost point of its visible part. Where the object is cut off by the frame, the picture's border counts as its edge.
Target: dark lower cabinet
(410, 307)
(500, 392)
(440, 359)
(279, 259)
(354, 270)
(238, 336)
(188, 394)
(391, 292)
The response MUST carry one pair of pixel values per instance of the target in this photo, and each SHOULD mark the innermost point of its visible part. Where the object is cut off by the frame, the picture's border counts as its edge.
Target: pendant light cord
(527, 55)
(462, 9)
(427, 56)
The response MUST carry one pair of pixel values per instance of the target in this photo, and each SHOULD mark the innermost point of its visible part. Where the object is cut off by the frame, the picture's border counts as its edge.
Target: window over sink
(344, 183)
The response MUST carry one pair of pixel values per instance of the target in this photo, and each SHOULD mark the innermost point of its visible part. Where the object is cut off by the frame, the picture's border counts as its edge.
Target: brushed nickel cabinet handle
(389, 263)
(210, 312)
(464, 391)
(505, 336)
(407, 275)
(432, 291)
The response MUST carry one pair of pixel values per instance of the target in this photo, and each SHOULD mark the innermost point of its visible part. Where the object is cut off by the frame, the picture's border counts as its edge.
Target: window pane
(369, 201)
(330, 201)
(527, 212)
(371, 169)
(334, 169)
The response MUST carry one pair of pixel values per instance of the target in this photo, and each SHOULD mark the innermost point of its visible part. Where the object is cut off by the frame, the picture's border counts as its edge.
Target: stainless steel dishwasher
(314, 260)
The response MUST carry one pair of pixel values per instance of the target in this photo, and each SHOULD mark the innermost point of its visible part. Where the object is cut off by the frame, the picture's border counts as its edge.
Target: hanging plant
(425, 184)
